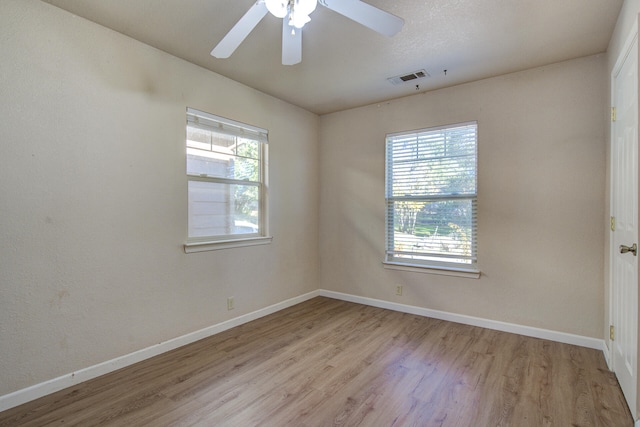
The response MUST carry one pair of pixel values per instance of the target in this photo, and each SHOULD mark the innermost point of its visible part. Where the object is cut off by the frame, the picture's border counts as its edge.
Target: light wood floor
(331, 363)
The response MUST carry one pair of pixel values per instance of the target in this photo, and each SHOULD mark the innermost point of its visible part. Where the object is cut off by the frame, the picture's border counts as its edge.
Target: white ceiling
(345, 64)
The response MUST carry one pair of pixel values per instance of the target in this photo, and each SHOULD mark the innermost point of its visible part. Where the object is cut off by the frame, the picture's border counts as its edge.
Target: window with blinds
(226, 178)
(431, 195)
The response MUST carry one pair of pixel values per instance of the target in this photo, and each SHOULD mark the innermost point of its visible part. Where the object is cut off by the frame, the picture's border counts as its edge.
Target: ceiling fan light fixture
(298, 20)
(277, 8)
(300, 11)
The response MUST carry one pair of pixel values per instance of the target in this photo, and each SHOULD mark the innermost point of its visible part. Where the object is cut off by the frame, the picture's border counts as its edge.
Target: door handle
(633, 249)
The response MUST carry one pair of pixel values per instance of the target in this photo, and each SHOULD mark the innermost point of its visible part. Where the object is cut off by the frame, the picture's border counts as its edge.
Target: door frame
(624, 53)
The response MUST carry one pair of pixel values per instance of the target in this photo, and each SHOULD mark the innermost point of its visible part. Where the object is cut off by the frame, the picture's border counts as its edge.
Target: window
(226, 172)
(431, 195)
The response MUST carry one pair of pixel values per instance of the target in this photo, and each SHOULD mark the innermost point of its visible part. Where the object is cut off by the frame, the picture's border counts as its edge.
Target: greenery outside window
(226, 178)
(431, 196)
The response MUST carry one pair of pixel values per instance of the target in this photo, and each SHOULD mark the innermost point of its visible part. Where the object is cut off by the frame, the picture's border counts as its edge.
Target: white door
(624, 208)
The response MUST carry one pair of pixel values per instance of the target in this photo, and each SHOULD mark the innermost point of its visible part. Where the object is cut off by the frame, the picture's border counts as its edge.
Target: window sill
(469, 273)
(214, 245)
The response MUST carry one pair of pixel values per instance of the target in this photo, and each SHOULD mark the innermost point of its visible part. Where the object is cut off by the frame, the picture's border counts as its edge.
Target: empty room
(319, 213)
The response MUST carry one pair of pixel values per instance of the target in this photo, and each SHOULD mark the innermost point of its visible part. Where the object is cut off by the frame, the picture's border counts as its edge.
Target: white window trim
(192, 247)
(212, 243)
(472, 271)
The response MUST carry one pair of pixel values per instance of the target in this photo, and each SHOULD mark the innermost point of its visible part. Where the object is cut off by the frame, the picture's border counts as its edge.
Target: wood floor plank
(332, 363)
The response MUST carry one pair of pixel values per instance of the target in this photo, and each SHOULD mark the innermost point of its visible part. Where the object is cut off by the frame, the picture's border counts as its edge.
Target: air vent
(408, 77)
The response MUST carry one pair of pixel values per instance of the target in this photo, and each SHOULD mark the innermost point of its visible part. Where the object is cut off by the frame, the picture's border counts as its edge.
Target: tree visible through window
(431, 194)
(225, 172)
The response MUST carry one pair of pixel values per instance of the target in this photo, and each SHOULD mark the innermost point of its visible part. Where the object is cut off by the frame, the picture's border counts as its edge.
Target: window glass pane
(246, 169)
(224, 156)
(431, 196)
(248, 148)
(217, 209)
(441, 162)
(198, 138)
(223, 165)
(201, 162)
(442, 228)
(434, 177)
(226, 178)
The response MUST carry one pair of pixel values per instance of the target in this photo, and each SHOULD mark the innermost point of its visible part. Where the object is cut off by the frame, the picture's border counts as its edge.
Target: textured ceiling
(345, 64)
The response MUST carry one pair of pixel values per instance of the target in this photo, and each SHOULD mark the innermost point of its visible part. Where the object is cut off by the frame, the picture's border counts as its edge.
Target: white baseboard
(56, 384)
(529, 331)
(607, 354)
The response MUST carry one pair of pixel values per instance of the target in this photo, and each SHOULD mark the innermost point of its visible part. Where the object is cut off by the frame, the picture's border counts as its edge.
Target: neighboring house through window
(431, 195)
(226, 171)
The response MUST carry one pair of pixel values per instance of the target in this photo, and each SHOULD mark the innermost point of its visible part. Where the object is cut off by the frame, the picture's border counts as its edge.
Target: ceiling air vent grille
(408, 77)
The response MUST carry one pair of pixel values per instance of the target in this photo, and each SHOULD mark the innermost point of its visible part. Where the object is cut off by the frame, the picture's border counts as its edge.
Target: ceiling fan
(295, 14)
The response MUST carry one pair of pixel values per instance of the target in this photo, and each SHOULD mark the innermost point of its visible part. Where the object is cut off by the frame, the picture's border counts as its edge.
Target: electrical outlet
(230, 303)
(399, 290)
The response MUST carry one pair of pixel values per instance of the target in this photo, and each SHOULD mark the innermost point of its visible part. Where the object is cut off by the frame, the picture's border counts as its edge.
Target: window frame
(213, 123)
(391, 260)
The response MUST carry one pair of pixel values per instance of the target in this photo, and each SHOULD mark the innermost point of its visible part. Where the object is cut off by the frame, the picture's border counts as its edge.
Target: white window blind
(431, 195)
(226, 178)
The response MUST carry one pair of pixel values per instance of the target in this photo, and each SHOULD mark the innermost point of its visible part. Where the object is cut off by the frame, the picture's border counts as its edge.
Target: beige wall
(93, 201)
(626, 20)
(540, 204)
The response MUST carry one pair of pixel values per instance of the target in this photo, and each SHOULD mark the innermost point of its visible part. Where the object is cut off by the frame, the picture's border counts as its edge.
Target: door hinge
(612, 333)
(613, 223)
(613, 114)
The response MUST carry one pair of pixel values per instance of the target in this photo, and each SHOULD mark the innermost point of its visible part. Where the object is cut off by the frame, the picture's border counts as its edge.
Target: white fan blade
(367, 15)
(291, 43)
(240, 31)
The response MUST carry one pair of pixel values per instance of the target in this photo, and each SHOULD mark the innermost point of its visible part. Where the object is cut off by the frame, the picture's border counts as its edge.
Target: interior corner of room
(93, 192)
